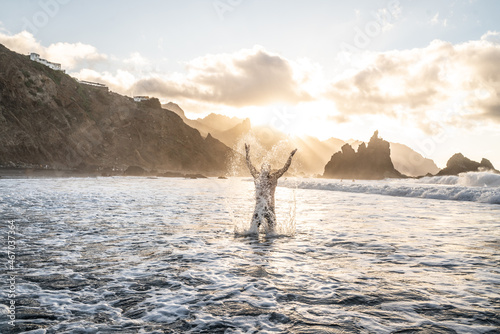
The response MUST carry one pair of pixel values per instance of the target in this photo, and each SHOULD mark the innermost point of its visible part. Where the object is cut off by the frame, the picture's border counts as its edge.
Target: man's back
(265, 187)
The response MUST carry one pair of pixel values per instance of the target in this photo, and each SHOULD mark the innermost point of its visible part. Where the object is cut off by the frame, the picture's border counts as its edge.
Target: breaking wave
(482, 187)
(477, 179)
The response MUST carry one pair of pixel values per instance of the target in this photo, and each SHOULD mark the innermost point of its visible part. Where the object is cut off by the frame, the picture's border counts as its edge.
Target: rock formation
(370, 162)
(459, 164)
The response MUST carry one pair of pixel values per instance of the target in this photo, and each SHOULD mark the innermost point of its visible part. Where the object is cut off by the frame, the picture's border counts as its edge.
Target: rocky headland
(51, 121)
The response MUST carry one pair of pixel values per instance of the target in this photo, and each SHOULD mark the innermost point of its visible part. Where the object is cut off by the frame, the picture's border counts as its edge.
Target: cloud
(245, 78)
(120, 82)
(412, 83)
(441, 84)
(70, 55)
(252, 77)
(23, 42)
(435, 20)
(387, 16)
(2, 28)
(491, 36)
(74, 55)
(137, 59)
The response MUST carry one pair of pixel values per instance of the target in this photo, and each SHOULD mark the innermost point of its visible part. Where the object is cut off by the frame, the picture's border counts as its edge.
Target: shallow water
(141, 255)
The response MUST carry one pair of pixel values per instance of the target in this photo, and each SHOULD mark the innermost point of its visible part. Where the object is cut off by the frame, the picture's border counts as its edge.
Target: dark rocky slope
(49, 118)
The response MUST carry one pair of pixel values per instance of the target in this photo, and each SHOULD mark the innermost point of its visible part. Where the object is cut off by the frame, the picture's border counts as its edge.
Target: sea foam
(482, 187)
(472, 179)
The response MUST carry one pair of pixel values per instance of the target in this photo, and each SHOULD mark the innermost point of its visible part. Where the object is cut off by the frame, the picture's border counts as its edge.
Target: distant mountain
(176, 109)
(459, 164)
(220, 123)
(49, 118)
(192, 123)
(411, 163)
(231, 136)
(333, 143)
(313, 154)
(354, 143)
(370, 162)
(227, 129)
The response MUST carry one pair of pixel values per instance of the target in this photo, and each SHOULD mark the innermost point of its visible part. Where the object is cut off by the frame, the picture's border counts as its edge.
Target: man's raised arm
(252, 169)
(283, 170)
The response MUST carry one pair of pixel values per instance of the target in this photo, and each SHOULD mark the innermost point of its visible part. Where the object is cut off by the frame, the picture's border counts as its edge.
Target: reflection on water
(138, 255)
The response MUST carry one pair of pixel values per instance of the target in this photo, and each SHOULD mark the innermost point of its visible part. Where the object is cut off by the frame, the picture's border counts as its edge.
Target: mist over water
(140, 255)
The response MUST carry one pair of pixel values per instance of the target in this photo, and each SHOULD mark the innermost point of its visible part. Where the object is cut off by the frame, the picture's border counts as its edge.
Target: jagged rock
(108, 171)
(134, 171)
(195, 176)
(87, 168)
(171, 174)
(485, 163)
(370, 162)
(458, 163)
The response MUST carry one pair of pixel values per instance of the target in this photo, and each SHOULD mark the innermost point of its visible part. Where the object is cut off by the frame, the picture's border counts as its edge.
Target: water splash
(285, 216)
(470, 179)
(276, 156)
(287, 226)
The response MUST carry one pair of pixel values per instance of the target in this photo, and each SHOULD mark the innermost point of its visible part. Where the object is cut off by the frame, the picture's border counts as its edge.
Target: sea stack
(458, 163)
(370, 162)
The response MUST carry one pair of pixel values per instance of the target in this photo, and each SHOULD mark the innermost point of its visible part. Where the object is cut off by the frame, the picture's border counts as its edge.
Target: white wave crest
(482, 187)
(471, 179)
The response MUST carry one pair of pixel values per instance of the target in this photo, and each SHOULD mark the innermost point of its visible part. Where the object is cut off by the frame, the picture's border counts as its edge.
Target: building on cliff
(54, 66)
(141, 98)
(94, 84)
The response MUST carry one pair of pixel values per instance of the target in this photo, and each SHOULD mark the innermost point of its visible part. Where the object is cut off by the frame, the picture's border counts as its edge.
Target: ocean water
(158, 255)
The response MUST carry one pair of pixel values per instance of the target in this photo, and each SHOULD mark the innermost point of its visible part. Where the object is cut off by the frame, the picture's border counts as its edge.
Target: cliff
(49, 118)
(459, 164)
(370, 162)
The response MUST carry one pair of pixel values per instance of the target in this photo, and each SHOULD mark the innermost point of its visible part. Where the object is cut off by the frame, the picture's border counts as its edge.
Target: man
(265, 187)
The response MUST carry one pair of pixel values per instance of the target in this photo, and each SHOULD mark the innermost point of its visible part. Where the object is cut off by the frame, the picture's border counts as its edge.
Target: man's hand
(293, 153)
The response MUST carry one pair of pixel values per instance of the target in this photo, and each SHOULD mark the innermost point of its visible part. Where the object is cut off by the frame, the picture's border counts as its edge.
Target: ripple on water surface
(138, 255)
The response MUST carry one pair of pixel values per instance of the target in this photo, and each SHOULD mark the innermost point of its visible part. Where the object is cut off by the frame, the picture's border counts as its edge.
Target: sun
(305, 119)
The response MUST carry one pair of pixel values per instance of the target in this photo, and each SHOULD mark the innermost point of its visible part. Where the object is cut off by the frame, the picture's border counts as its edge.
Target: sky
(424, 73)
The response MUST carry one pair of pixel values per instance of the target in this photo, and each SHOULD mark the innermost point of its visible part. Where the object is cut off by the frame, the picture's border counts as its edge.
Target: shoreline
(39, 173)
